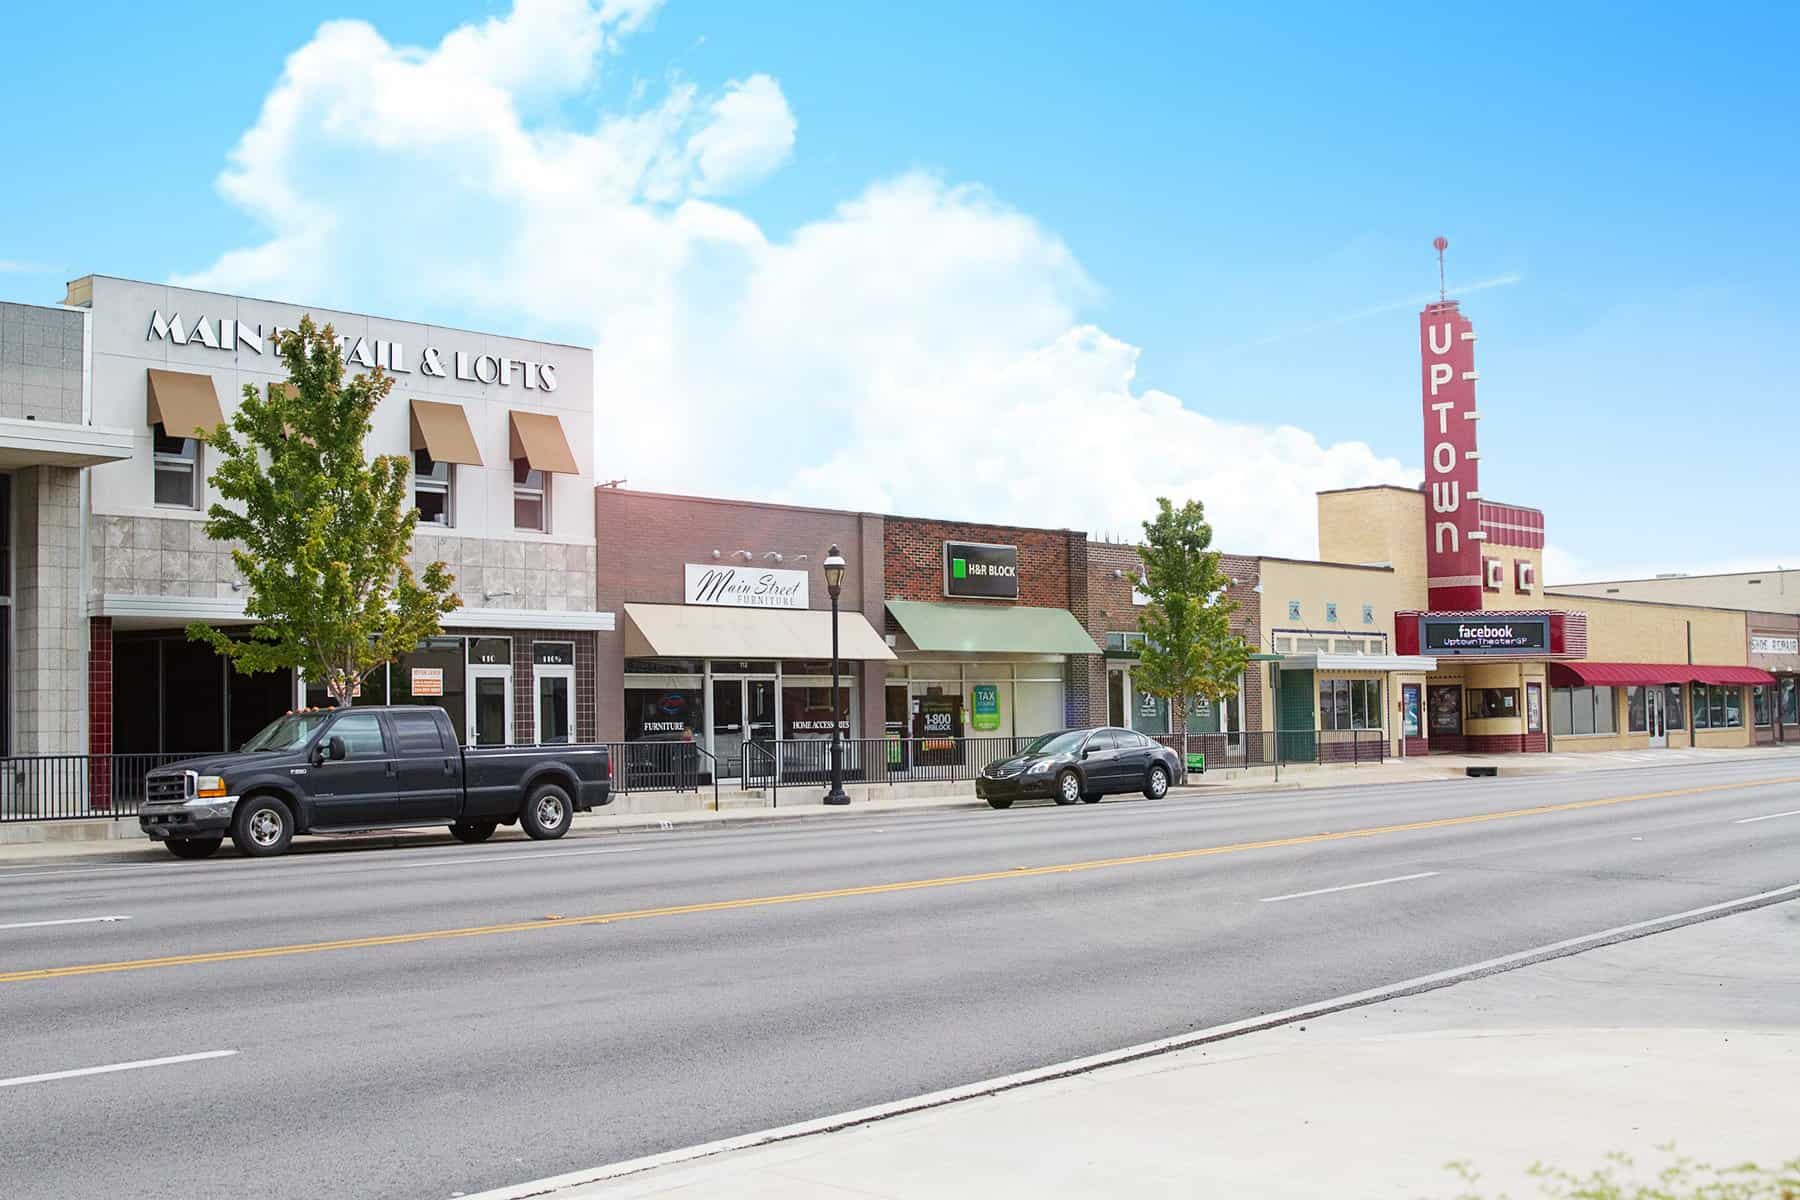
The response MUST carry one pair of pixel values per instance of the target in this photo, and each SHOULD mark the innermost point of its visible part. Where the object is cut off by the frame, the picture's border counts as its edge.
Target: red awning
(1599, 674)
(1729, 676)
(1602, 674)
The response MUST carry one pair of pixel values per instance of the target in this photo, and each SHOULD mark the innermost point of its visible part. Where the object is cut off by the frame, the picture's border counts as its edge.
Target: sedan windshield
(1066, 742)
(289, 732)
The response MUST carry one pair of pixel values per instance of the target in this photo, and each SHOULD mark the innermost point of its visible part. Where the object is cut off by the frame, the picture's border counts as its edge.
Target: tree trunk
(1181, 715)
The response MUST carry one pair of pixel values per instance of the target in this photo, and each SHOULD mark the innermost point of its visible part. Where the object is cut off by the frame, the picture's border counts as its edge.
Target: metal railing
(67, 787)
(656, 766)
(1295, 747)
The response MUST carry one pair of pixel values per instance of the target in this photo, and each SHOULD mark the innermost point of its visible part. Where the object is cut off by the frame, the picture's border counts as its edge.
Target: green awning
(991, 629)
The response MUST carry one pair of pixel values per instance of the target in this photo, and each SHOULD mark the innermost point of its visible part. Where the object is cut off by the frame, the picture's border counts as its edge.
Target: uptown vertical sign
(1453, 534)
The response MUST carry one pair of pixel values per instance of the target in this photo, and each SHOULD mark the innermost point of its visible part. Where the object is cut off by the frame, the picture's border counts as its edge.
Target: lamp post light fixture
(834, 566)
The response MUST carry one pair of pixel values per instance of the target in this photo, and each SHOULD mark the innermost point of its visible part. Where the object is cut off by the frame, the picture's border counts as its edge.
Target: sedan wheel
(1068, 788)
(1156, 786)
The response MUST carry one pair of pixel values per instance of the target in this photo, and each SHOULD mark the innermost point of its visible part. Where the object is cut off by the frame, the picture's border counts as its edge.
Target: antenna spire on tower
(1441, 244)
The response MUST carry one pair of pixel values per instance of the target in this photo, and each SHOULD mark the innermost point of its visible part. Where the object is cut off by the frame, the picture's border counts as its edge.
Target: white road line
(862, 1116)
(1348, 887)
(139, 1065)
(65, 921)
(1768, 817)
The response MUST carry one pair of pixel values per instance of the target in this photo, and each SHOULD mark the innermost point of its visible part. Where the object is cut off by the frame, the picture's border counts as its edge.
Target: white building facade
(106, 492)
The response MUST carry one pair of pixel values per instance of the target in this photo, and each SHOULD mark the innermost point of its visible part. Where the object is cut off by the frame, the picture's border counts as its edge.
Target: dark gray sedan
(1080, 764)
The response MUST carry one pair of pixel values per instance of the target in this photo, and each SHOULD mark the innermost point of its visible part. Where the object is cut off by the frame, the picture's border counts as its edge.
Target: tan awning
(538, 439)
(442, 431)
(703, 631)
(183, 403)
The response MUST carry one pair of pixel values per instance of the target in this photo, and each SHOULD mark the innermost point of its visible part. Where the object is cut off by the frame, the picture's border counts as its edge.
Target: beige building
(1776, 591)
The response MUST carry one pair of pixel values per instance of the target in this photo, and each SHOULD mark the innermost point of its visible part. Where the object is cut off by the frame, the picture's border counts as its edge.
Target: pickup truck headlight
(209, 787)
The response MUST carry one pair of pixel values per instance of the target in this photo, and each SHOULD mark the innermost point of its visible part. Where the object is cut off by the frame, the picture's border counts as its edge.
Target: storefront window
(664, 713)
(1149, 714)
(1734, 705)
(1582, 710)
(434, 674)
(1677, 707)
(1350, 704)
(1790, 701)
(1636, 721)
(663, 666)
(1759, 705)
(1487, 703)
(806, 711)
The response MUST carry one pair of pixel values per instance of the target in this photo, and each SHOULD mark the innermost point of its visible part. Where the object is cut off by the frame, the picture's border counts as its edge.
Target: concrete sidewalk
(24, 841)
(1690, 1037)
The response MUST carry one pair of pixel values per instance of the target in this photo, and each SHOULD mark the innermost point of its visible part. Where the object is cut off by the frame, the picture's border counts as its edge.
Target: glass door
(490, 706)
(743, 711)
(553, 713)
(1656, 716)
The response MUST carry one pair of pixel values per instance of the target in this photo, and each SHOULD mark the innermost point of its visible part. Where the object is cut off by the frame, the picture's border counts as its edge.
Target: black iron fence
(1293, 746)
(64, 787)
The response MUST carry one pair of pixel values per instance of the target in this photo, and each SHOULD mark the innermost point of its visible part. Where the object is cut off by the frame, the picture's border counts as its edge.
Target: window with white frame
(177, 468)
(531, 497)
(1350, 704)
(434, 486)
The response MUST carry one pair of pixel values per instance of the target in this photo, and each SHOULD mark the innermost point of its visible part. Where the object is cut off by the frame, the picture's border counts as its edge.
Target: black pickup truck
(367, 768)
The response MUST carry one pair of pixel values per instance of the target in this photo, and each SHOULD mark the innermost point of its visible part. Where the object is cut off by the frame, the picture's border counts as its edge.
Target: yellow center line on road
(873, 889)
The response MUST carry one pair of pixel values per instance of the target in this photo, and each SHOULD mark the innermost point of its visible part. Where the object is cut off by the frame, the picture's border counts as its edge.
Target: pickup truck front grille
(166, 788)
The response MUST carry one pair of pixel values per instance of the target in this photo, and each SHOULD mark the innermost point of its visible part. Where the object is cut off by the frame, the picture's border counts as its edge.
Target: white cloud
(920, 348)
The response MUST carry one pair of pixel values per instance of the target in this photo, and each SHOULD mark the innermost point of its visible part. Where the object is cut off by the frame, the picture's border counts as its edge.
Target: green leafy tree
(320, 531)
(1189, 647)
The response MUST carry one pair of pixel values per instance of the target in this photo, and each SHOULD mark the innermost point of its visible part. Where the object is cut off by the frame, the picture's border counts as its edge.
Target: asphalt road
(482, 1029)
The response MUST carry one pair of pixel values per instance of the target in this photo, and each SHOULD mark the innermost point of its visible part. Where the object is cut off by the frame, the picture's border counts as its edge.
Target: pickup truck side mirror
(336, 750)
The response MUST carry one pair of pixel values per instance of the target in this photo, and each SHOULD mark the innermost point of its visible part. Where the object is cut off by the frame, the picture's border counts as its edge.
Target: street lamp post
(834, 583)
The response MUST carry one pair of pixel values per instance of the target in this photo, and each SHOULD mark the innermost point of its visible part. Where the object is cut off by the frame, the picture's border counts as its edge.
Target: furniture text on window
(1350, 704)
(1582, 710)
(1485, 703)
(432, 486)
(177, 469)
(531, 498)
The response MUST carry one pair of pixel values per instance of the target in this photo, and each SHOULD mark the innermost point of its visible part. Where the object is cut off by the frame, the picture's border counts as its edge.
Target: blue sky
(1240, 203)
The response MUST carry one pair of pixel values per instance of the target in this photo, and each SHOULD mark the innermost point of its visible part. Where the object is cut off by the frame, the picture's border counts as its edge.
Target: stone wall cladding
(49, 622)
(40, 363)
(172, 556)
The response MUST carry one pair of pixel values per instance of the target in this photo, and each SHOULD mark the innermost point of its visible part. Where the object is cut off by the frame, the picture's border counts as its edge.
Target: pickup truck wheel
(473, 831)
(194, 847)
(262, 827)
(547, 812)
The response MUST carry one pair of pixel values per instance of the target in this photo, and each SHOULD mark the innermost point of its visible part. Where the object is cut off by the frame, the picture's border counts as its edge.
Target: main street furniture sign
(744, 587)
(1485, 635)
(225, 334)
(976, 570)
